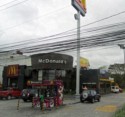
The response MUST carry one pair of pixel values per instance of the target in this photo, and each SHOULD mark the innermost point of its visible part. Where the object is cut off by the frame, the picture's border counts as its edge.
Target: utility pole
(122, 46)
(77, 17)
(80, 6)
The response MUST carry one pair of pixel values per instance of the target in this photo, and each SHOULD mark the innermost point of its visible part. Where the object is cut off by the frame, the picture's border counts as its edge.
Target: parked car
(90, 95)
(120, 90)
(115, 89)
(10, 93)
(28, 94)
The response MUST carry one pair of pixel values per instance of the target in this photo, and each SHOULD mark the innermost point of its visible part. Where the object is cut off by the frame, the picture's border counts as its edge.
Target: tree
(117, 72)
(116, 69)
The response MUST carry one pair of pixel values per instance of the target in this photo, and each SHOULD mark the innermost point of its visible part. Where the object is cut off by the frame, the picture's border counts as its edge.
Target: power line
(55, 38)
(28, 21)
(8, 3)
(90, 23)
(63, 52)
(86, 50)
(93, 41)
(52, 47)
(13, 5)
(73, 28)
(94, 49)
(108, 17)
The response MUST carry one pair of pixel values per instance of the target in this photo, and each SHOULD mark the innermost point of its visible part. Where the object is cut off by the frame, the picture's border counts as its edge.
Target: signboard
(80, 5)
(52, 61)
(13, 70)
(84, 62)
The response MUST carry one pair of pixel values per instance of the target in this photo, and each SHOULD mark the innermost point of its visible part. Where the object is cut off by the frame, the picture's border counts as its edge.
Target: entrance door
(12, 82)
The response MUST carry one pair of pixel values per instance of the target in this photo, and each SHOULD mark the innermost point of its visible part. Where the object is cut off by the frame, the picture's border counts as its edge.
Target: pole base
(77, 95)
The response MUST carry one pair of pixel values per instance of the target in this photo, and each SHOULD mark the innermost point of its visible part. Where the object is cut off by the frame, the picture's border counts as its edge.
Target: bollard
(18, 103)
(56, 102)
(41, 105)
(32, 102)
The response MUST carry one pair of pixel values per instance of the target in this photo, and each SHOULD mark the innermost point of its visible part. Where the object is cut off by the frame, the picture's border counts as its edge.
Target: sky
(29, 19)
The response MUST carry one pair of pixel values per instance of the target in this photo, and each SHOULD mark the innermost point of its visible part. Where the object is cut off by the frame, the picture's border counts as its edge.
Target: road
(72, 108)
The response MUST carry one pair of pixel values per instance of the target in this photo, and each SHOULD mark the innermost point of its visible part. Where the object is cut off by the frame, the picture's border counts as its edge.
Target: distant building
(10, 58)
(95, 79)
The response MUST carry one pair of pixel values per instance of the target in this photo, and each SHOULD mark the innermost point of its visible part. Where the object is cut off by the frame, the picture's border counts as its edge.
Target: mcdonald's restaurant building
(48, 66)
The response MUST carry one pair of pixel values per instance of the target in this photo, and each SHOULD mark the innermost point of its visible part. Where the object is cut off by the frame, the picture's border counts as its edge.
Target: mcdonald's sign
(80, 5)
(13, 70)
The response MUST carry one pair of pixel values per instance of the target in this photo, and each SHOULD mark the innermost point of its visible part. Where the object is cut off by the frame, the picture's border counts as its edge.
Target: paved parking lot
(72, 108)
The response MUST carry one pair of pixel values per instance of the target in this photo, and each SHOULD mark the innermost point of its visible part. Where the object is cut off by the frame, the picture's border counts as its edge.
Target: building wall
(95, 79)
(1, 70)
(89, 78)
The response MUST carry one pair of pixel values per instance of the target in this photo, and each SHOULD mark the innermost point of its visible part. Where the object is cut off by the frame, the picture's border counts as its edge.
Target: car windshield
(88, 91)
(29, 90)
(33, 91)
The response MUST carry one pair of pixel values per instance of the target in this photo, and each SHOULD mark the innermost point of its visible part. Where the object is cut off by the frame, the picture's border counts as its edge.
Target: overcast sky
(28, 19)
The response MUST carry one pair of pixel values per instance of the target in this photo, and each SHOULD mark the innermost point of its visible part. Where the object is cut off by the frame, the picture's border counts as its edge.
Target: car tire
(92, 100)
(85, 95)
(25, 100)
(9, 97)
(81, 100)
(99, 100)
(51, 103)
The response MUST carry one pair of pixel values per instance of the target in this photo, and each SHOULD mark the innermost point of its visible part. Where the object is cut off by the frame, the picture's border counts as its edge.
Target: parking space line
(107, 108)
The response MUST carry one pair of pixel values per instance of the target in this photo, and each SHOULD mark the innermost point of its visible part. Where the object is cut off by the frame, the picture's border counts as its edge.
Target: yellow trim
(107, 108)
(102, 79)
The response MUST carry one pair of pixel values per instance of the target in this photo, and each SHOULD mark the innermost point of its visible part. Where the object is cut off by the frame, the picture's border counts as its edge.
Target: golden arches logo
(12, 70)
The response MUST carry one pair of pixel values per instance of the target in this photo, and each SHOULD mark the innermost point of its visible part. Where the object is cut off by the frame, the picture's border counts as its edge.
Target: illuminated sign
(80, 5)
(13, 70)
(84, 62)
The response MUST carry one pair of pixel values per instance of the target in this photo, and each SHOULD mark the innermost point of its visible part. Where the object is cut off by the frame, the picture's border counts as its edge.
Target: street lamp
(122, 46)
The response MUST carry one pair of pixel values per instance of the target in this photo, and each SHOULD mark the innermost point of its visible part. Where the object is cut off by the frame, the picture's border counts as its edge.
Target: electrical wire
(68, 31)
(44, 39)
(8, 3)
(106, 18)
(13, 5)
(95, 41)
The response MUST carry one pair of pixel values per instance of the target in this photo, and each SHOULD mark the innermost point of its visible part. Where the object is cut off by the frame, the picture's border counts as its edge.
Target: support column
(78, 53)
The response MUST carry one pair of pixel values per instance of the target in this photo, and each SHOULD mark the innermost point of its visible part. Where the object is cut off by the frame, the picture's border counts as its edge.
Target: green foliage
(117, 72)
(120, 112)
(119, 79)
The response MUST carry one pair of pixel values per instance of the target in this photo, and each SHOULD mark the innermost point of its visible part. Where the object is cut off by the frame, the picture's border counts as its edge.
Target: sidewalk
(70, 99)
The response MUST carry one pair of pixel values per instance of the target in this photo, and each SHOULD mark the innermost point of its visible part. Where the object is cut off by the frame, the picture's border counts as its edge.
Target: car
(120, 90)
(115, 89)
(9, 93)
(90, 95)
(28, 94)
